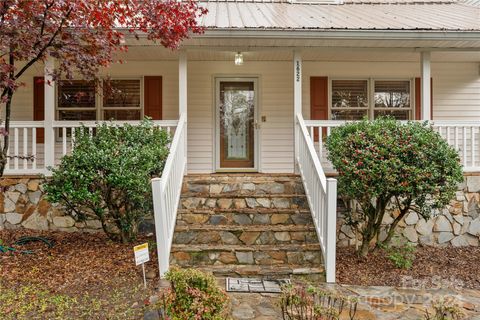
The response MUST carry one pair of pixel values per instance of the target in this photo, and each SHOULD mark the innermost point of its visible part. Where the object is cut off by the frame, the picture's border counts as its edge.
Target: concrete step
(247, 235)
(187, 255)
(283, 201)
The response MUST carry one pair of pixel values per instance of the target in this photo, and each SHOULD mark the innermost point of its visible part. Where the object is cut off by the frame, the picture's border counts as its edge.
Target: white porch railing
(463, 135)
(166, 194)
(321, 194)
(26, 142)
(24, 151)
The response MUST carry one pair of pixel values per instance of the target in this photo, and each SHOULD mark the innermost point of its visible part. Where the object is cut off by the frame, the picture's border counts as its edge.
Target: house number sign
(297, 71)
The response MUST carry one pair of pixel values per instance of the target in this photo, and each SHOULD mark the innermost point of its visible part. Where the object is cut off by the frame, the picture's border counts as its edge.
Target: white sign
(141, 254)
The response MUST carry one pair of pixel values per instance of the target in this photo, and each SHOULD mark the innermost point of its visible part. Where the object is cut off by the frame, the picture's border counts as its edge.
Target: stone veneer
(22, 204)
(458, 224)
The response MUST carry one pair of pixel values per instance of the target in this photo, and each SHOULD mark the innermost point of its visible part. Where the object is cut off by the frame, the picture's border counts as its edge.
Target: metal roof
(475, 3)
(403, 15)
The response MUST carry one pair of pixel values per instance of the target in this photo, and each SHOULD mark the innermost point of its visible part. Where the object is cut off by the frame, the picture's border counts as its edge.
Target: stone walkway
(374, 303)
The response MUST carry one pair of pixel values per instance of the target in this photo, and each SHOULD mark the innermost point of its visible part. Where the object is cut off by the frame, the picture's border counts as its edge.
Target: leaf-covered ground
(433, 267)
(84, 276)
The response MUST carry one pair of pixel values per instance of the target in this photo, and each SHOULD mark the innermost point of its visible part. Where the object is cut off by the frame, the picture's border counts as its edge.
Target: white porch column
(426, 90)
(182, 83)
(182, 93)
(297, 98)
(49, 142)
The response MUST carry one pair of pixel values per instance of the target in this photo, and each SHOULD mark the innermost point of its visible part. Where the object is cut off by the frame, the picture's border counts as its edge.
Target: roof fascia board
(342, 34)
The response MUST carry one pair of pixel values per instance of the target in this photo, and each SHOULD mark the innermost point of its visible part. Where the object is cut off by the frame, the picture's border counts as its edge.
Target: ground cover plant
(388, 164)
(107, 176)
(194, 295)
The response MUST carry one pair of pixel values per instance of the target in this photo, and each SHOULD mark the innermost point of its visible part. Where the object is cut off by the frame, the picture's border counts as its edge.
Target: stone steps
(246, 225)
(238, 234)
(307, 255)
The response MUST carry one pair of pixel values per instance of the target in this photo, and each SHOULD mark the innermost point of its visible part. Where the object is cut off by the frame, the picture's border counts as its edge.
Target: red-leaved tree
(82, 35)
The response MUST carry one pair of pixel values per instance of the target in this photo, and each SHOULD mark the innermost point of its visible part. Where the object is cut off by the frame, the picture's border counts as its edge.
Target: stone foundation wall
(22, 204)
(458, 224)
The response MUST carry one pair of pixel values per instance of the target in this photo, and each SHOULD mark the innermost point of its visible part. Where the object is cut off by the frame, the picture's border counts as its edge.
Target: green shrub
(107, 176)
(402, 256)
(388, 164)
(194, 295)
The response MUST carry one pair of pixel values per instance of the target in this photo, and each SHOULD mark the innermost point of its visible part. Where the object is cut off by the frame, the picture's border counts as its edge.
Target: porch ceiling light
(238, 59)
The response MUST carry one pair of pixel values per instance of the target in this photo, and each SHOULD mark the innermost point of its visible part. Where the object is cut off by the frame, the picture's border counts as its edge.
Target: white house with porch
(254, 95)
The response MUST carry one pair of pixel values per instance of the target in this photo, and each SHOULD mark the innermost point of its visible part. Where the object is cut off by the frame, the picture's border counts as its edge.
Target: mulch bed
(79, 265)
(433, 267)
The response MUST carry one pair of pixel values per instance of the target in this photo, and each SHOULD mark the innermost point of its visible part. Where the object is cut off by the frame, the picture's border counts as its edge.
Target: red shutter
(418, 99)
(39, 105)
(153, 97)
(319, 101)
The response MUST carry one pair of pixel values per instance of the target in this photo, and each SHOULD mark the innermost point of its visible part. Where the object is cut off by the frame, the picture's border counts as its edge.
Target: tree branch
(44, 21)
(42, 51)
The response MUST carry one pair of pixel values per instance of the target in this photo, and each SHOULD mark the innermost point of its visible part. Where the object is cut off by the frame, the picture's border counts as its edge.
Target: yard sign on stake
(142, 256)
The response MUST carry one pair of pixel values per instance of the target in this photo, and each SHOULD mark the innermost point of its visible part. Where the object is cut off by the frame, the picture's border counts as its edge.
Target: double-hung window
(80, 100)
(76, 100)
(370, 98)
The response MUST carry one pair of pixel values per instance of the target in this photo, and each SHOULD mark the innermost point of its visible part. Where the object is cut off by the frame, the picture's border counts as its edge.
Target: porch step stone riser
(244, 219)
(242, 178)
(268, 272)
(245, 237)
(292, 202)
(259, 258)
(243, 188)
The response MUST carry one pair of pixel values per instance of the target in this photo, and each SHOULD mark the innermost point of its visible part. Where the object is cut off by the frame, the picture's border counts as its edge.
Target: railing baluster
(15, 137)
(34, 148)
(64, 140)
(25, 148)
(456, 138)
(320, 141)
(464, 151)
(72, 137)
(472, 145)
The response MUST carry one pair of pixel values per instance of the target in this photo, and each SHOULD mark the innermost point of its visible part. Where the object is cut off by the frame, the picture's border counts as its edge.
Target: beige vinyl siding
(456, 89)
(22, 107)
(275, 96)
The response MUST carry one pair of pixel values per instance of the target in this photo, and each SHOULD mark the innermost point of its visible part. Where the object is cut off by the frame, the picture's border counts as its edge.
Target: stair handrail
(321, 196)
(166, 192)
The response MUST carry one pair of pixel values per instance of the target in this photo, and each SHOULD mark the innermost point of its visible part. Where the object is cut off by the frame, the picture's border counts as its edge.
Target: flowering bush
(194, 295)
(386, 163)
